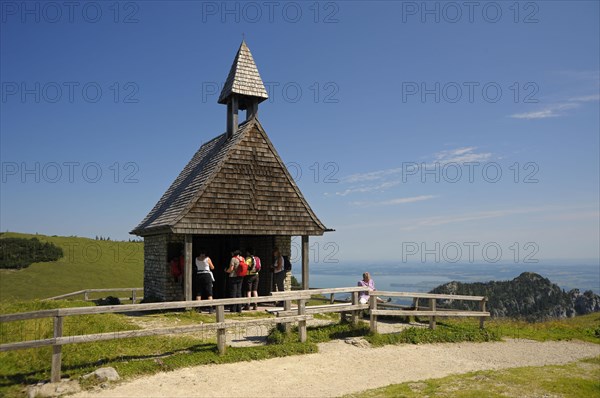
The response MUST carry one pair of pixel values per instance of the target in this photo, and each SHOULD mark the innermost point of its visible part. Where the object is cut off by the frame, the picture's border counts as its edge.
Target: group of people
(243, 276)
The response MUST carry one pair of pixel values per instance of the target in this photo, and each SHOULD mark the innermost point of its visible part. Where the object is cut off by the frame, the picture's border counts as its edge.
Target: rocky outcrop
(585, 303)
(529, 296)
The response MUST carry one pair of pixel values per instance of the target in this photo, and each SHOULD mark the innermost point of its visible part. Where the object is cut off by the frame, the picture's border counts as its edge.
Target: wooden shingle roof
(234, 186)
(243, 78)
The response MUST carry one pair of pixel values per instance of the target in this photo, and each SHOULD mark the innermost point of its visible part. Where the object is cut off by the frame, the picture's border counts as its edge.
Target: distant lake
(424, 277)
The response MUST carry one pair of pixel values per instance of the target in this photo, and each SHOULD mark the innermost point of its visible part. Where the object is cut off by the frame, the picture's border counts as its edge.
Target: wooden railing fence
(353, 306)
(432, 311)
(86, 294)
(286, 316)
(58, 314)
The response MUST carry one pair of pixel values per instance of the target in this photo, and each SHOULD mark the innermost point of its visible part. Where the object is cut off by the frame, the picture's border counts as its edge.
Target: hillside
(86, 264)
(529, 296)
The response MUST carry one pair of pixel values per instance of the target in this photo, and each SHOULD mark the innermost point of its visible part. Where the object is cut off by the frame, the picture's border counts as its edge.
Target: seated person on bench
(367, 281)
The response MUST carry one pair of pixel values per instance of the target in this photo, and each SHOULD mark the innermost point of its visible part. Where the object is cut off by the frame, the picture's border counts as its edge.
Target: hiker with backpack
(237, 269)
(251, 279)
(278, 270)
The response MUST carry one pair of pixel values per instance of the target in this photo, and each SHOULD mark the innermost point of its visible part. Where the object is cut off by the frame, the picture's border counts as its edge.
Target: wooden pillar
(133, 296)
(57, 350)
(432, 318)
(287, 306)
(232, 116)
(252, 109)
(302, 324)
(482, 309)
(305, 285)
(355, 312)
(188, 268)
(373, 307)
(221, 332)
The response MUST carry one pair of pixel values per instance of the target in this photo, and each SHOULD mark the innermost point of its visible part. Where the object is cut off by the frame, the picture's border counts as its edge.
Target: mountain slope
(86, 264)
(528, 296)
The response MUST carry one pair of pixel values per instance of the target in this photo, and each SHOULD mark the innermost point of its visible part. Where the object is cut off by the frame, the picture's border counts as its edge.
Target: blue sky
(396, 118)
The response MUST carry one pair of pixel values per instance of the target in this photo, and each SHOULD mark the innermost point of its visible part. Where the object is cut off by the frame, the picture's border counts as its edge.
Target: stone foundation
(159, 285)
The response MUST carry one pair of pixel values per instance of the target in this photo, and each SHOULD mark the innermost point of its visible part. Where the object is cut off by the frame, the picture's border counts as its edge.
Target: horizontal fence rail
(285, 316)
(86, 293)
(353, 307)
(432, 311)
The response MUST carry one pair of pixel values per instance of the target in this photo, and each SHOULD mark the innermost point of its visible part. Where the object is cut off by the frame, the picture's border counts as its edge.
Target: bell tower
(243, 89)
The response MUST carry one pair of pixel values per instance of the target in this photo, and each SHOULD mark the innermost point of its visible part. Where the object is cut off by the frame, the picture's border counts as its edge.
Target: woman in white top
(204, 276)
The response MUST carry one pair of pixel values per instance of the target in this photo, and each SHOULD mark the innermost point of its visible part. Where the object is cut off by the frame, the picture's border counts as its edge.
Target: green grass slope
(574, 380)
(86, 264)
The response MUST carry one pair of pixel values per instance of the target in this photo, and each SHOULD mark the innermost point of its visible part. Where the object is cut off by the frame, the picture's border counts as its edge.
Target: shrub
(21, 253)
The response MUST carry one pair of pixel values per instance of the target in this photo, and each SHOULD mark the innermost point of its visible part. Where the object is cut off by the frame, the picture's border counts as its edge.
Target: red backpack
(256, 263)
(242, 269)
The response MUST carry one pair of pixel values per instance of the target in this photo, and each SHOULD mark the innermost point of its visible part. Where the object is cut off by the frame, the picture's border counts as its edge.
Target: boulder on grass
(103, 374)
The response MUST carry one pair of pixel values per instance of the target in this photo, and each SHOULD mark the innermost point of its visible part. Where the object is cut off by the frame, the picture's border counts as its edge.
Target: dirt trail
(341, 368)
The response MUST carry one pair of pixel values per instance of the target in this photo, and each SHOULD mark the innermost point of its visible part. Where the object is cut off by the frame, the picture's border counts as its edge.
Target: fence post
(302, 324)
(354, 312)
(331, 298)
(432, 318)
(482, 309)
(372, 307)
(221, 332)
(133, 296)
(57, 350)
(86, 295)
(287, 306)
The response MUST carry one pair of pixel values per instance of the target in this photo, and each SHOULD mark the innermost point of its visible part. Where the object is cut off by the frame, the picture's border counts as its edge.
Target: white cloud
(554, 110)
(586, 98)
(382, 180)
(372, 176)
(462, 155)
(458, 155)
(535, 115)
(397, 201)
(371, 188)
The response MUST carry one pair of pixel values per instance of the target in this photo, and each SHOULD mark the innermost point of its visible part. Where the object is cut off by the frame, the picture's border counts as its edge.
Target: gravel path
(341, 368)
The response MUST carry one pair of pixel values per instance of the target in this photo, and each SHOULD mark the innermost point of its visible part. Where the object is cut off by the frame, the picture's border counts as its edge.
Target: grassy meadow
(86, 264)
(574, 380)
(141, 356)
(89, 263)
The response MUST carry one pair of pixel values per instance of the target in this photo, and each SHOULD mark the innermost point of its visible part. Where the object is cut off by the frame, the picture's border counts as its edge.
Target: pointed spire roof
(243, 78)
